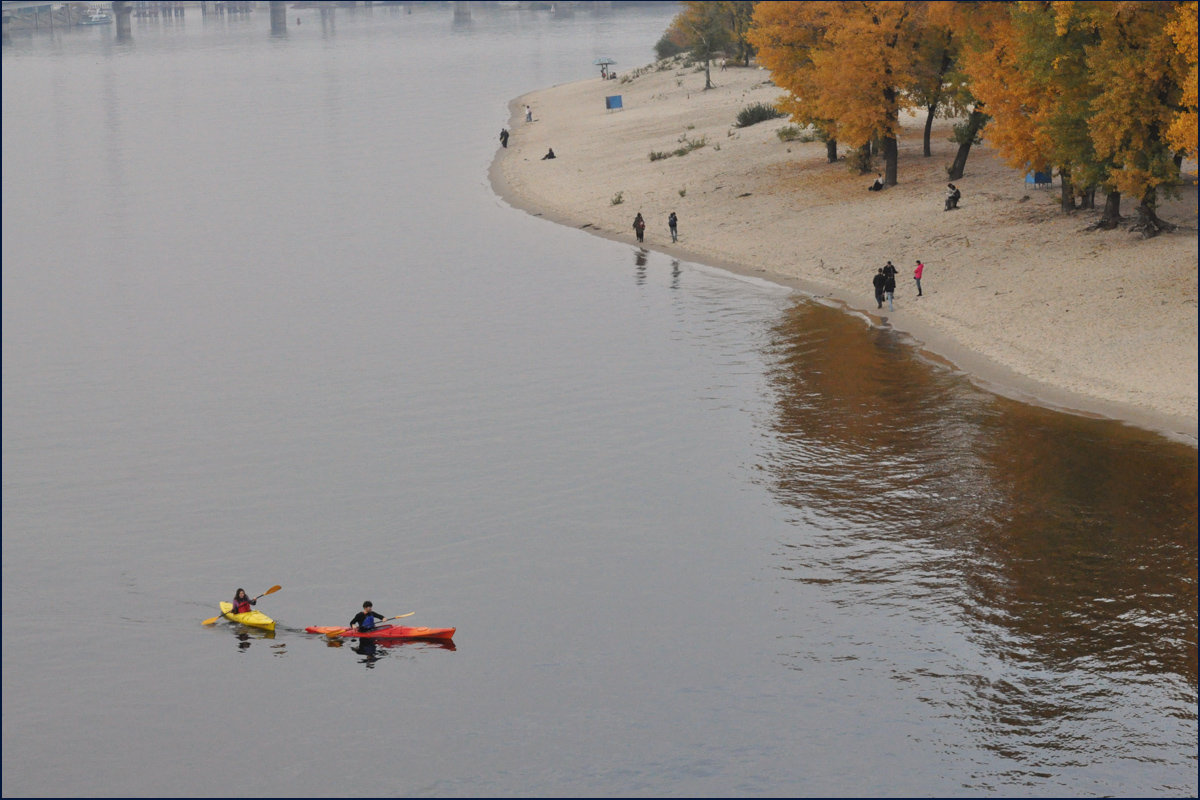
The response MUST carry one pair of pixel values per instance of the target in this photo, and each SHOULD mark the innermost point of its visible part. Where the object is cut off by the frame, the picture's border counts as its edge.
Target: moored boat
(386, 632)
(96, 16)
(255, 619)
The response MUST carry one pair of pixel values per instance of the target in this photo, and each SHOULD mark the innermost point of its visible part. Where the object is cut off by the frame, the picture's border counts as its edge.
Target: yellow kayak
(255, 619)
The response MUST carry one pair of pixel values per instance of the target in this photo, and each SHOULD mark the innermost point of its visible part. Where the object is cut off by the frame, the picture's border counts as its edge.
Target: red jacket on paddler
(242, 602)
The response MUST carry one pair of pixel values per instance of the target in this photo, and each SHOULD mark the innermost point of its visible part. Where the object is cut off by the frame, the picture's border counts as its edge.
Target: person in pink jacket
(917, 273)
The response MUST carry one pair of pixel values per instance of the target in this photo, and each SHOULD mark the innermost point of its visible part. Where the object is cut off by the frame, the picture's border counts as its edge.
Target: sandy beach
(1016, 294)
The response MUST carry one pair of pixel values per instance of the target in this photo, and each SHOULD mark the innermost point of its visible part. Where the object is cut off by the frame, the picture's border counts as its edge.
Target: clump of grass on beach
(759, 112)
(688, 146)
(794, 133)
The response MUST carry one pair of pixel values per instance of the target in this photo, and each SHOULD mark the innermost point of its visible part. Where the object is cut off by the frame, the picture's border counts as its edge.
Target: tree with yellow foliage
(1182, 133)
(786, 37)
(1031, 70)
(1090, 88)
(843, 62)
(1139, 72)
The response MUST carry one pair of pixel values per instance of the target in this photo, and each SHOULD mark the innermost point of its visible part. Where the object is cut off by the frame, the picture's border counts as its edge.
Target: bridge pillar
(462, 11)
(278, 18)
(123, 12)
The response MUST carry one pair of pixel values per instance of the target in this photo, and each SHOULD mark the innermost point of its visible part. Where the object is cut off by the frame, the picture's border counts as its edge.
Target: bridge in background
(39, 14)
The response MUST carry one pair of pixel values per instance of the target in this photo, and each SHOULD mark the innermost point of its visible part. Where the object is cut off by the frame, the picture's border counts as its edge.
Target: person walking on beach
(673, 224)
(879, 280)
(890, 271)
(889, 286)
(917, 273)
(528, 114)
(504, 137)
(639, 227)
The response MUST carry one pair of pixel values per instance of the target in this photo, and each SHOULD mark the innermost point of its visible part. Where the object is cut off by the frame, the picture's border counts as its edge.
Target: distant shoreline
(1004, 273)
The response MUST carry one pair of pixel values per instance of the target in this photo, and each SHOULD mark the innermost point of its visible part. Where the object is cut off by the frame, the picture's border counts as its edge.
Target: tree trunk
(891, 158)
(831, 150)
(947, 62)
(1087, 199)
(974, 125)
(1148, 222)
(1068, 190)
(929, 129)
(1112, 213)
(707, 75)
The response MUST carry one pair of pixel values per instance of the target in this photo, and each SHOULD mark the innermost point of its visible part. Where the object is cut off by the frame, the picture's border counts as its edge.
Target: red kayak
(387, 632)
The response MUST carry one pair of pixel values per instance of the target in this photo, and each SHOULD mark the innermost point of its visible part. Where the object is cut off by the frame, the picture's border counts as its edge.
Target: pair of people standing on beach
(889, 283)
(639, 226)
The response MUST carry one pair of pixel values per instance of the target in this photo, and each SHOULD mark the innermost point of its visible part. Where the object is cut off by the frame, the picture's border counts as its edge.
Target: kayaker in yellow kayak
(242, 602)
(365, 619)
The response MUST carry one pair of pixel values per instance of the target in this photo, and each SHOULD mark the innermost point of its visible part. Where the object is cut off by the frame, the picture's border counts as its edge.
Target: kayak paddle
(339, 634)
(272, 590)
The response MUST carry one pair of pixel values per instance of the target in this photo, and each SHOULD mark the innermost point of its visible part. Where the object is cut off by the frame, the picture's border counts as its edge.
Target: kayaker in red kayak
(365, 619)
(242, 602)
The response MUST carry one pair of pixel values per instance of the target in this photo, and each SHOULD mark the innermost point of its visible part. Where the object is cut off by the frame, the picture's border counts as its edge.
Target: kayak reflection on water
(368, 649)
(246, 638)
(374, 649)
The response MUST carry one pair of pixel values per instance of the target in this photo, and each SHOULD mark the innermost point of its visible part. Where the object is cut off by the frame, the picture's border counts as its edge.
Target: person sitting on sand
(877, 185)
(549, 154)
(952, 196)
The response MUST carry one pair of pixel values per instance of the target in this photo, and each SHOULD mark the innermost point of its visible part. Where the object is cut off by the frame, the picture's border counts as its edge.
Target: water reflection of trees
(1059, 541)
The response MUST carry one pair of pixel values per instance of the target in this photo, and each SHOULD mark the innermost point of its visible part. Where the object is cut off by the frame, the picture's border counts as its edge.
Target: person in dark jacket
(673, 226)
(504, 137)
(639, 227)
(953, 195)
(879, 280)
(889, 286)
(365, 619)
(242, 602)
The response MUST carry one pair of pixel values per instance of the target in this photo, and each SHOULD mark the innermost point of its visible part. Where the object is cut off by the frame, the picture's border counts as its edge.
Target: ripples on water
(1051, 567)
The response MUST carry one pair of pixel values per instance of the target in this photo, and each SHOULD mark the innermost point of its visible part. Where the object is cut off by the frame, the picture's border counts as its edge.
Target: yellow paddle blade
(335, 634)
(210, 621)
(402, 616)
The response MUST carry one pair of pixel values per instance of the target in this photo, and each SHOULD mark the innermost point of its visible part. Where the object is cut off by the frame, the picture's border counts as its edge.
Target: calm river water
(265, 322)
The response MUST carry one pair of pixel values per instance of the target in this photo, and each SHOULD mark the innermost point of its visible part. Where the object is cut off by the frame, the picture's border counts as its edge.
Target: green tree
(704, 30)
(739, 15)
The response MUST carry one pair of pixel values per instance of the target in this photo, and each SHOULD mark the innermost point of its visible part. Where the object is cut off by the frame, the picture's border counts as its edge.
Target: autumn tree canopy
(845, 63)
(1102, 92)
